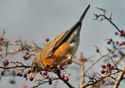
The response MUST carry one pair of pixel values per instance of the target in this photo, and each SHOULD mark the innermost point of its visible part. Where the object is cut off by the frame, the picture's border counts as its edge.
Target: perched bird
(59, 52)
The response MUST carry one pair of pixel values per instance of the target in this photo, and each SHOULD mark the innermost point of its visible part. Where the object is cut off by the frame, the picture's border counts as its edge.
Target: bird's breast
(61, 53)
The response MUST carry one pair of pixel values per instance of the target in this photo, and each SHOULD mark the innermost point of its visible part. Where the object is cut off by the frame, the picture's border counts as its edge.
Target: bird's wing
(54, 44)
(49, 48)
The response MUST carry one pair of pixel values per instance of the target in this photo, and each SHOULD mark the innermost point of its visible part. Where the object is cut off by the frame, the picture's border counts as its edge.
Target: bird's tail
(84, 13)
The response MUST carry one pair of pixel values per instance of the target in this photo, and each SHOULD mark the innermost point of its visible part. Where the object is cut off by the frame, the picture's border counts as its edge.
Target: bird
(59, 52)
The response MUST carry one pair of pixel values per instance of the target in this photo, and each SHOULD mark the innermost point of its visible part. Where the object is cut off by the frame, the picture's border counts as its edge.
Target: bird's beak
(33, 73)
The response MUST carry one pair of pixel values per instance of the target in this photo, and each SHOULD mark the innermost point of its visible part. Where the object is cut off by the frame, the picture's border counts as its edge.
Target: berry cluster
(45, 73)
(107, 68)
(26, 56)
(22, 74)
(65, 78)
(117, 42)
(12, 81)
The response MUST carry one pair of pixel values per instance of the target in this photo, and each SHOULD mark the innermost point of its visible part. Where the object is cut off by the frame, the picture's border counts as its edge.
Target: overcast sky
(40, 19)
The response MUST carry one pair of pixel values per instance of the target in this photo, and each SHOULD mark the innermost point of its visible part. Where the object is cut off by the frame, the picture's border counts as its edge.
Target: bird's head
(35, 68)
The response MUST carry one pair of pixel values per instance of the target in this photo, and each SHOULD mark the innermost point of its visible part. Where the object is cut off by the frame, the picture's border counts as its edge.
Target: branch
(109, 19)
(67, 83)
(82, 71)
(111, 23)
(102, 57)
(103, 77)
(43, 82)
(119, 78)
(15, 66)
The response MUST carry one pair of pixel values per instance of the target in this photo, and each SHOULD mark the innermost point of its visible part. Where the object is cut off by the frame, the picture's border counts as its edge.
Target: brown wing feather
(47, 50)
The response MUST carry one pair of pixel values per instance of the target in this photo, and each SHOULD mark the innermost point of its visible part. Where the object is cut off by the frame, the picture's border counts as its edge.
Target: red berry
(123, 43)
(122, 30)
(116, 42)
(26, 57)
(26, 53)
(47, 76)
(0, 49)
(103, 66)
(50, 82)
(5, 63)
(31, 78)
(110, 40)
(66, 79)
(3, 71)
(12, 81)
(103, 71)
(45, 73)
(121, 34)
(49, 79)
(1, 38)
(116, 33)
(18, 74)
(81, 59)
(47, 39)
(24, 75)
(29, 71)
(62, 76)
(109, 65)
(120, 44)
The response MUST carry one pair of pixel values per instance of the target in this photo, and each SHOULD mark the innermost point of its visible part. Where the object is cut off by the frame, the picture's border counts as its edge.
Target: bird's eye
(34, 67)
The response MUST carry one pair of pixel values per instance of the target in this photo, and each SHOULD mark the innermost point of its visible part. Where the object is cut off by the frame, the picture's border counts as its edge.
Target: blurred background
(36, 20)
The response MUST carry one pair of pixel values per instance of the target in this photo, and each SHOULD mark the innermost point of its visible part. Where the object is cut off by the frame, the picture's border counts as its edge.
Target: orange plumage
(57, 57)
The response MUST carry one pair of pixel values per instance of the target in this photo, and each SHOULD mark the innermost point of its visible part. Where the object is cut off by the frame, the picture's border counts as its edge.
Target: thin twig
(15, 66)
(112, 23)
(101, 58)
(82, 71)
(102, 77)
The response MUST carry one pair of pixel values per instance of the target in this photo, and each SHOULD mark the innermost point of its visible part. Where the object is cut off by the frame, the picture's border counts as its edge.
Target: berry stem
(67, 83)
(112, 23)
